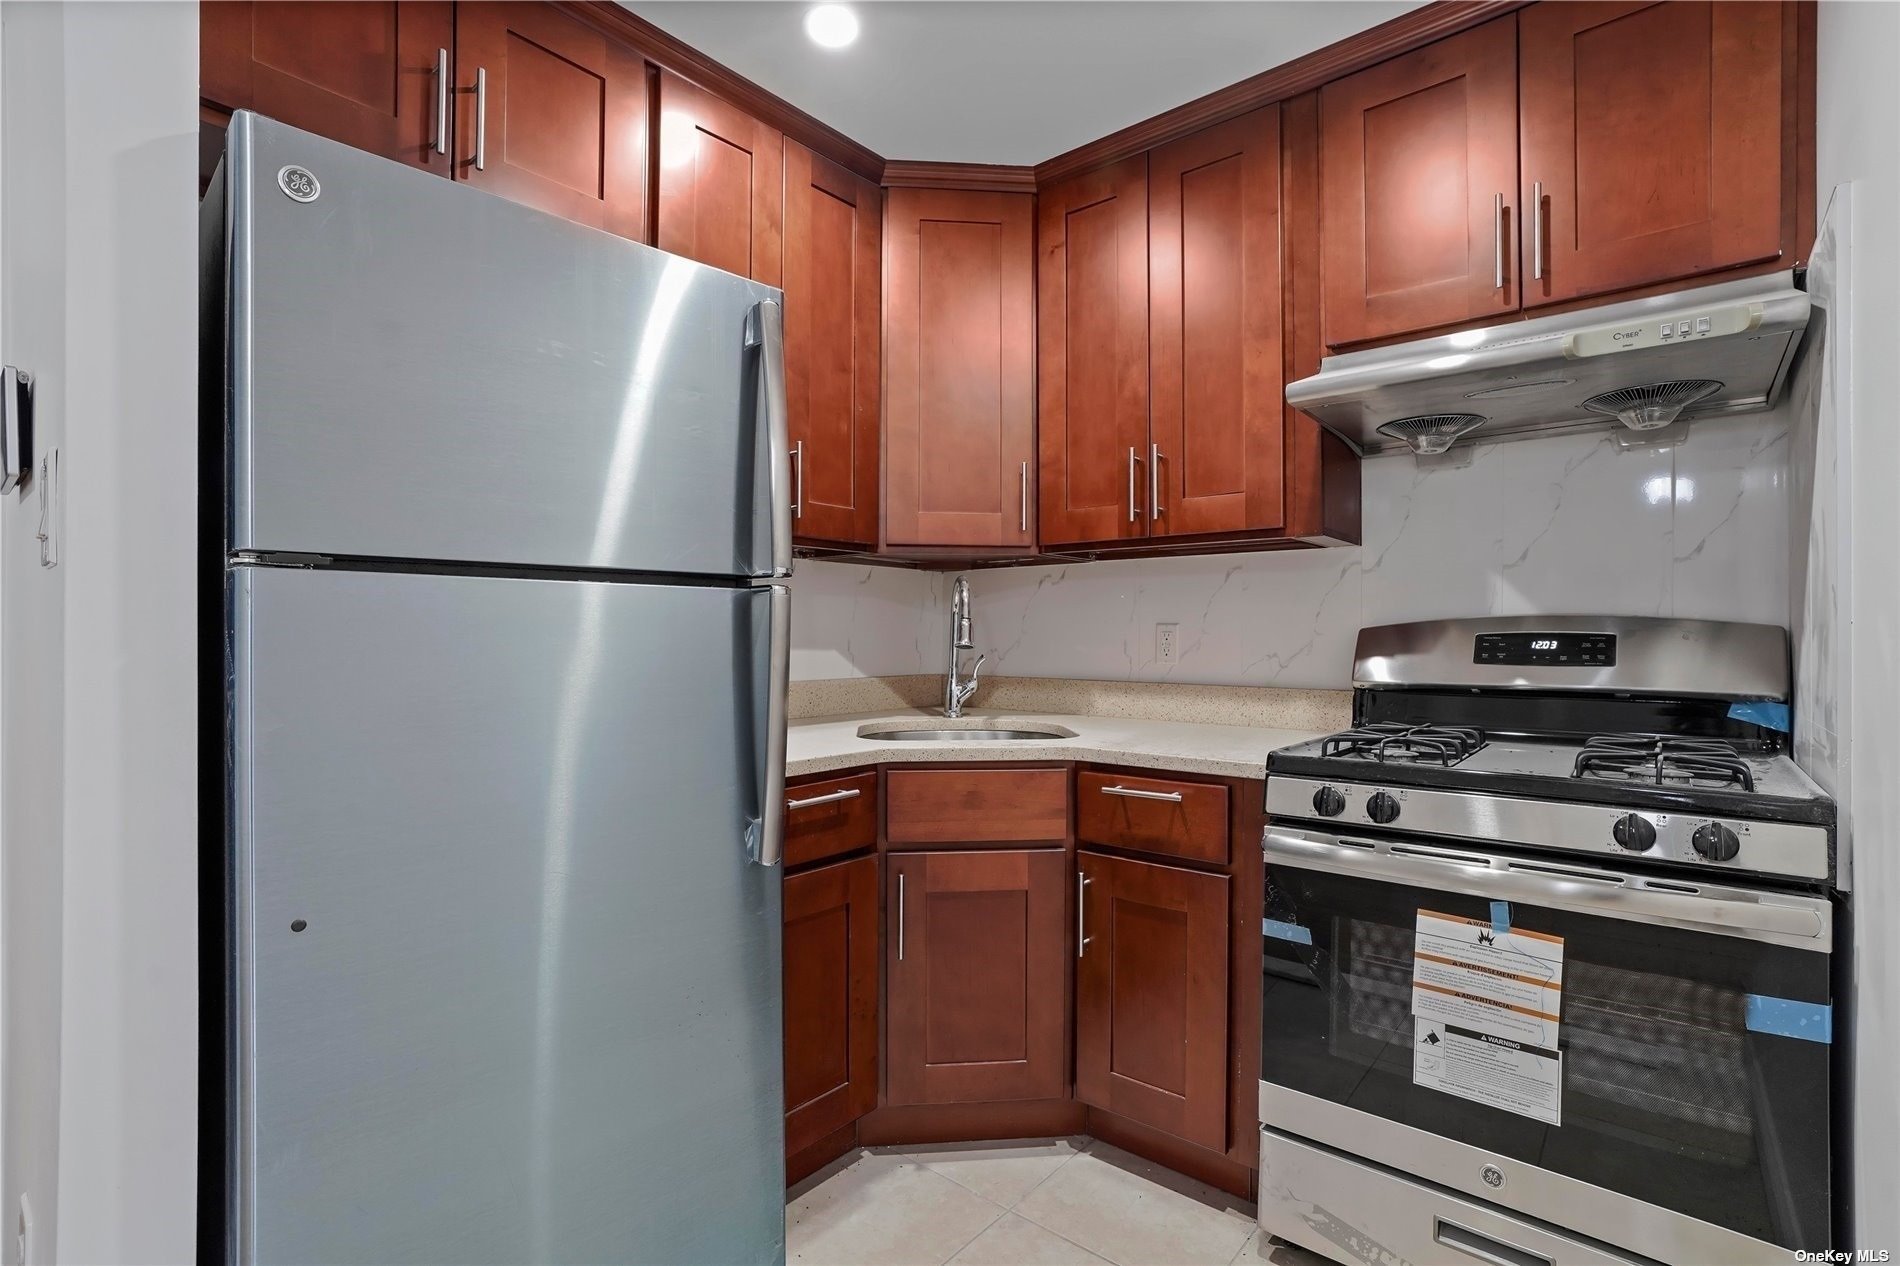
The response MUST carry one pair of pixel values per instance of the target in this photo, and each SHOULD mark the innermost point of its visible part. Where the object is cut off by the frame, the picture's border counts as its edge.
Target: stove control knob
(1716, 842)
(1634, 832)
(1328, 803)
(1381, 807)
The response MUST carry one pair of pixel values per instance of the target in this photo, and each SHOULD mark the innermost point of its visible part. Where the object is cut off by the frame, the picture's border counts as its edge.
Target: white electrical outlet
(1166, 649)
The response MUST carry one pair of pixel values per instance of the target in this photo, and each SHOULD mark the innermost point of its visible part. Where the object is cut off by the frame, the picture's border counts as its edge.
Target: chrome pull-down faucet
(957, 692)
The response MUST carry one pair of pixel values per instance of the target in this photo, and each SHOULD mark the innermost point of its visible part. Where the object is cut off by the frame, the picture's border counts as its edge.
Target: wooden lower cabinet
(830, 955)
(977, 958)
(1151, 1008)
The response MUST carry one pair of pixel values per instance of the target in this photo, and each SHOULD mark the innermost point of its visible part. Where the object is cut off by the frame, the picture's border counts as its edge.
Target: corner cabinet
(959, 372)
(833, 249)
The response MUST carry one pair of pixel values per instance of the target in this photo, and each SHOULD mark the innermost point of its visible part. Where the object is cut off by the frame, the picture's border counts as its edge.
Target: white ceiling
(1007, 81)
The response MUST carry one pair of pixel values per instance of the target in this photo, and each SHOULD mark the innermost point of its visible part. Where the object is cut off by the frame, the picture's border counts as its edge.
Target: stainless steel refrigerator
(505, 726)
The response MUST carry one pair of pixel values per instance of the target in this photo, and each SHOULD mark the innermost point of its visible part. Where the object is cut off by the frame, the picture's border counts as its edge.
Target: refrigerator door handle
(765, 838)
(765, 330)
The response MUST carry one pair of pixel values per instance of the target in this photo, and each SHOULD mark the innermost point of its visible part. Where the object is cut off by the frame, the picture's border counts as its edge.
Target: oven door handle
(1750, 914)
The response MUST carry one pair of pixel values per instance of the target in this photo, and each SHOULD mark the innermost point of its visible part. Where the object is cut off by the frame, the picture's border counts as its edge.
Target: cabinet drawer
(977, 806)
(825, 819)
(1154, 815)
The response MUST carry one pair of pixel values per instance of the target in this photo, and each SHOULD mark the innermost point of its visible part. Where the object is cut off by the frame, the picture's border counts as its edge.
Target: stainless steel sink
(961, 736)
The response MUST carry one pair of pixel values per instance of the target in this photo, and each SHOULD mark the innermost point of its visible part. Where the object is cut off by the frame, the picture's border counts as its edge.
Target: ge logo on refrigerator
(298, 183)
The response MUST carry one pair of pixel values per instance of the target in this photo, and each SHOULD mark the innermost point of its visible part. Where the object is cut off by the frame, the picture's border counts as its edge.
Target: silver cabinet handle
(1484, 1248)
(1133, 461)
(1022, 517)
(442, 100)
(900, 916)
(1082, 937)
(1537, 231)
(1497, 242)
(830, 797)
(766, 837)
(1154, 481)
(1136, 793)
(798, 480)
(765, 330)
(481, 118)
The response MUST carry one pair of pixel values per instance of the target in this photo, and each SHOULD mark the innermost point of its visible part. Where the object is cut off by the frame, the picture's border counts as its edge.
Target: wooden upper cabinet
(831, 957)
(1092, 355)
(1151, 996)
(833, 262)
(1214, 321)
(721, 198)
(959, 371)
(1656, 132)
(561, 122)
(977, 970)
(1418, 188)
(364, 74)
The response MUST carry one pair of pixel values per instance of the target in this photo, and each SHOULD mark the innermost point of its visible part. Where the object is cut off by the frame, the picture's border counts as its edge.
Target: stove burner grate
(1420, 744)
(1661, 759)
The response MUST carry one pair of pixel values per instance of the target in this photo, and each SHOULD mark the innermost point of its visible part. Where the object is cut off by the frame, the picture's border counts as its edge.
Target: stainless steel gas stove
(1549, 971)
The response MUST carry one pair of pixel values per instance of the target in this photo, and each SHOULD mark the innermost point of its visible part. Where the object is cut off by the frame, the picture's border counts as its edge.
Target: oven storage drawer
(1337, 1206)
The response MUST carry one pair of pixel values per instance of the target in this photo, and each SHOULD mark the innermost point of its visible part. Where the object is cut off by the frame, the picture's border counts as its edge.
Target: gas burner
(1419, 744)
(1699, 762)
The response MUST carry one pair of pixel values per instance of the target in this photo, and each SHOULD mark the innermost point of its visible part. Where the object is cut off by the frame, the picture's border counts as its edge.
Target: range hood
(1639, 365)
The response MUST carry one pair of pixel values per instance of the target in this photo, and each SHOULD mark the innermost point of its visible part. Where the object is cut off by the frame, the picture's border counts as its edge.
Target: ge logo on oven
(1492, 1175)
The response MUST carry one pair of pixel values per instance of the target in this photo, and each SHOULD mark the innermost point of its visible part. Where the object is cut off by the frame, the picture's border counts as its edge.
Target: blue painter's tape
(1770, 716)
(1286, 931)
(1786, 1017)
(1500, 917)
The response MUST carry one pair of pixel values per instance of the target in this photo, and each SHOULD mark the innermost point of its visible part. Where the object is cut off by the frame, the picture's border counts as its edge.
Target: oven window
(1668, 1096)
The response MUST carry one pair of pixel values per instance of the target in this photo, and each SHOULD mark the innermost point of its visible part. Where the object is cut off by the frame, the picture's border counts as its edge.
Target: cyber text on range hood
(1706, 352)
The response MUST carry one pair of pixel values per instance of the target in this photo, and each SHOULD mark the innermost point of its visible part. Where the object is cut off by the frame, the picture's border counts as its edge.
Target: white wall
(100, 827)
(1543, 526)
(1858, 133)
(849, 620)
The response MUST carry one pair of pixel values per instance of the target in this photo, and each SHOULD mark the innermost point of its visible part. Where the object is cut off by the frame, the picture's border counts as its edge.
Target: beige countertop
(819, 744)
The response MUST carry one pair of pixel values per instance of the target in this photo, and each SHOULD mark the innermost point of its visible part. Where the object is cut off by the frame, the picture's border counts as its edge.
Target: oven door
(1693, 1026)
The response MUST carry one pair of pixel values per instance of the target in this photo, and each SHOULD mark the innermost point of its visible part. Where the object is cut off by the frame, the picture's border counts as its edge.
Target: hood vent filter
(1651, 407)
(1432, 432)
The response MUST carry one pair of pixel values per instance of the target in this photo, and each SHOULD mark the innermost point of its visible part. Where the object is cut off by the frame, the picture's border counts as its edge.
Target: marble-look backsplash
(1561, 524)
(849, 620)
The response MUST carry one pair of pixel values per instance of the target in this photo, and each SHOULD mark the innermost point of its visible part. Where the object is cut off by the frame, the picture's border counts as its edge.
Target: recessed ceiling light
(832, 25)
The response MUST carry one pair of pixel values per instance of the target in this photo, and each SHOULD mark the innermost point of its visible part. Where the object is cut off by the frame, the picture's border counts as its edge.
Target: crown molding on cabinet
(979, 177)
(1356, 52)
(689, 63)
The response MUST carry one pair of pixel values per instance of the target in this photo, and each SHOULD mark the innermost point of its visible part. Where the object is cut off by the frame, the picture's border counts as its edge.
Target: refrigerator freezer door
(506, 982)
(419, 370)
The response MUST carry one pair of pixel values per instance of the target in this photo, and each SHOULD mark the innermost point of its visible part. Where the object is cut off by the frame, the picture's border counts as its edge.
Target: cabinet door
(1418, 184)
(1151, 996)
(831, 946)
(833, 258)
(959, 370)
(1655, 133)
(721, 183)
(1092, 355)
(978, 971)
(364, 74)
(1214, 304)
(552, 114)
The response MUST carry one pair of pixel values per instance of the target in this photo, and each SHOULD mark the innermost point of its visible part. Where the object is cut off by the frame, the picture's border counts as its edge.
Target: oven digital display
(1581, 650)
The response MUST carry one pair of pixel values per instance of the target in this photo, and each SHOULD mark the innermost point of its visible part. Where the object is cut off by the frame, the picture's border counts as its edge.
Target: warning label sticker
(1487, 1001)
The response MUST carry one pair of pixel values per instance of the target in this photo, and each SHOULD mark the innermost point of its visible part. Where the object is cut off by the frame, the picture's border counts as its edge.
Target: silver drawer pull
(1136, 793)
(830, 797)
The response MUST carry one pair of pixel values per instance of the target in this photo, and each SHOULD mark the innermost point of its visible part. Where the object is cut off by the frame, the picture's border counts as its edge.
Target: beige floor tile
(1138, 1214)
(1002, 1172)
(1016, 1241)
(884, 1210)
(1262, 1248)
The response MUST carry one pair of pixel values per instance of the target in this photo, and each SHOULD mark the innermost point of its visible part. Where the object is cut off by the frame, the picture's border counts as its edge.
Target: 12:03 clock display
(1583, 650)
